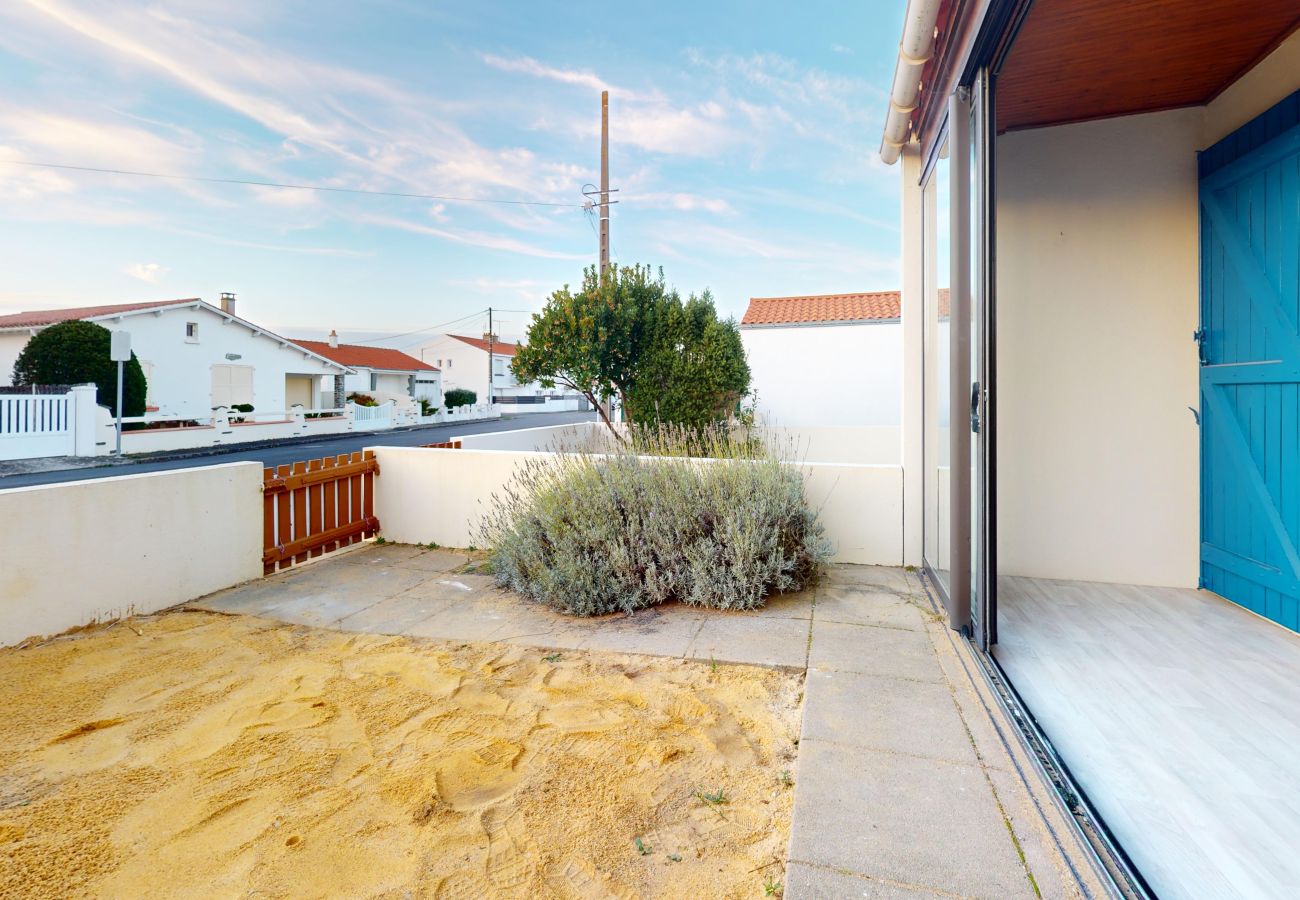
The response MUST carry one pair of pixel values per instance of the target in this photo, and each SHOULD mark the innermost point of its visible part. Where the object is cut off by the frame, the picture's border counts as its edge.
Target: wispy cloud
(149, 273)
(470, 238)
(528, 66)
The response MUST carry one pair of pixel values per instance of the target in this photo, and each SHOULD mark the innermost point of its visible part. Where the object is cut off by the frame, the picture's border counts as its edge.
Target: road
(289, 453)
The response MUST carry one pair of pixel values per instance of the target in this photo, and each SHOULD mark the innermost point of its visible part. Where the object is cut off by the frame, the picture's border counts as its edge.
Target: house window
(192, 332)
(374, 381)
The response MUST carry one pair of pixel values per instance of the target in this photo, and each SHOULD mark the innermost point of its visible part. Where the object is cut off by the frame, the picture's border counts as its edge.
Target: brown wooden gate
(316, 506)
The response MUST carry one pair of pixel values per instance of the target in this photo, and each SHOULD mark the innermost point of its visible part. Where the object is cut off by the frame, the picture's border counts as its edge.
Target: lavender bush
(596, 532)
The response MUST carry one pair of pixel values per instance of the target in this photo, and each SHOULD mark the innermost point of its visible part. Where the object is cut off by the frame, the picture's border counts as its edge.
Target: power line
(292, 187)
(390, 337)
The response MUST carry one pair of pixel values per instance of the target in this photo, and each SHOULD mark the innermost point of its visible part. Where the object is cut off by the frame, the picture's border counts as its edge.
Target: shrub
(362, 399)
(459, 397)
(590, 533)
(77, 353)
(427, 407)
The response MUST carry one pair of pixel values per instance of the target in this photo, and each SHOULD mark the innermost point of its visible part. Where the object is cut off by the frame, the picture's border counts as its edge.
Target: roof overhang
(1060, 61)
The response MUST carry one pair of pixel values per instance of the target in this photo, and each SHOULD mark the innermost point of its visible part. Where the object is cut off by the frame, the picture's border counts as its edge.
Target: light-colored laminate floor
(1178, 713)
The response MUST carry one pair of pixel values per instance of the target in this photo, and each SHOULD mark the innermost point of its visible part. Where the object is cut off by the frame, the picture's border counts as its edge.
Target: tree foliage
(459, 397)
(77, 353)
(628, 335)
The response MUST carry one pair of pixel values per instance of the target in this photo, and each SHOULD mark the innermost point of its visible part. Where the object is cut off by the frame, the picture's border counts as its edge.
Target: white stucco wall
(1273, 79)
(95, 550)
(424, 495)
(827, 374)
(11, 344)
(1098, 473)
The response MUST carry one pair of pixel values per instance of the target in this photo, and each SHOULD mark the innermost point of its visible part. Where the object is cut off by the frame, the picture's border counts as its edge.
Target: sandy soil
(202, 755)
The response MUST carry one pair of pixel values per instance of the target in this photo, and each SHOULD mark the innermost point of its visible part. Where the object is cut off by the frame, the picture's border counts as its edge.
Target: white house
(195, 356)
(379, 371)
(834, 359)
(464, 363)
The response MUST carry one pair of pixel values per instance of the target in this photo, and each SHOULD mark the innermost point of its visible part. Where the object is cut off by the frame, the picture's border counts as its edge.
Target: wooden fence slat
(368, 493)
(268, 519)
(315, 508)
(330, 488)
(354, 490)
(299, 507)
(283, 518)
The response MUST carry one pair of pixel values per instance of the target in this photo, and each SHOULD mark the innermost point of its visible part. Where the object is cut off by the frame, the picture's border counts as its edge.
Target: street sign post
(120, 352)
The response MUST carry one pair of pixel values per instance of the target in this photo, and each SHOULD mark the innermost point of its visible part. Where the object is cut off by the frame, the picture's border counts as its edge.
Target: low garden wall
(88, 551)
(424, 495)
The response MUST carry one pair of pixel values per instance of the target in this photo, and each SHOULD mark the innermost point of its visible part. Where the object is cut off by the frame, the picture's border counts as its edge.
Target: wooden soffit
(1075, 60)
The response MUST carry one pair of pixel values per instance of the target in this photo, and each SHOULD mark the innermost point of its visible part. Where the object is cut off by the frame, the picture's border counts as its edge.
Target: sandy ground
(200, 755)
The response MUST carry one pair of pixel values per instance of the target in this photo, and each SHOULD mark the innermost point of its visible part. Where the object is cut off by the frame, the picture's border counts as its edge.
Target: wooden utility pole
(604, 182)
(490, 338)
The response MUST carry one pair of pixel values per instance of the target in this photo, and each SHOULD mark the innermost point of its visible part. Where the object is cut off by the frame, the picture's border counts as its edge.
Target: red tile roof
(354, 355)
(41, 317)
(822, 308)
(499, 348)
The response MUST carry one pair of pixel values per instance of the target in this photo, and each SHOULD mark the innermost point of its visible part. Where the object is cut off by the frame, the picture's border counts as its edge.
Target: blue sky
(743, 141)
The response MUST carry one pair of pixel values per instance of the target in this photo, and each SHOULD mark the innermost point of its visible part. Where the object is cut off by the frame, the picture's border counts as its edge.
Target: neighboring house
(832, 359)
(1111, 189)
(195, 356)
(464, 363)
(379, 371)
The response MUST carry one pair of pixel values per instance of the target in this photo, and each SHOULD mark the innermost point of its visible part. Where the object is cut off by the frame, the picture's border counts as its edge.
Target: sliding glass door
(958, 526)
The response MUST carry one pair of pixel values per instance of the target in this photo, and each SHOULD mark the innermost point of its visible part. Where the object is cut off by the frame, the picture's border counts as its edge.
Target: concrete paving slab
(380, 554)
(859, 606)
(434, 561)
(795, 605)
(890, 578)
(897, 715)
(453, 586)
(744, 638)
(905, 820)
(393, 615)
(661, 631)
(319, 610)
(873, 651)
(805, 882)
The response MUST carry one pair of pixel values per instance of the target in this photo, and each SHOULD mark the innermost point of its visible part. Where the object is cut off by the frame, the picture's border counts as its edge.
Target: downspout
(913, 53)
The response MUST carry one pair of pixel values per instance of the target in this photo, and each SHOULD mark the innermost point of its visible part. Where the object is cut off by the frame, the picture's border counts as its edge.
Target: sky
(743, 144)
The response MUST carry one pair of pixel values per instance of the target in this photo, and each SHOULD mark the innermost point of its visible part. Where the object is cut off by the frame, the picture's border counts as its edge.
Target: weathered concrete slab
(922, 823)
(867, 606)
(897, 715)
(805, 882)
(743, 638)
(873, 651)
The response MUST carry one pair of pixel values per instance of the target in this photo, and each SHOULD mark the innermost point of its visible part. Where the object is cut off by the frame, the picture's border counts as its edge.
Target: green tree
(629, 336)
(459, 397)
(77, 353)
(695, 372)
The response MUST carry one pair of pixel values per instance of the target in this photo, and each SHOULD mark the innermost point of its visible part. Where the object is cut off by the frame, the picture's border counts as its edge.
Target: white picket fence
(33, 425)
(372, 418)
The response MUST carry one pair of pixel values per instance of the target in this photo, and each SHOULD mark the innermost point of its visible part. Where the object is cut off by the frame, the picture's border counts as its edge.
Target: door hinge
(1199, 336)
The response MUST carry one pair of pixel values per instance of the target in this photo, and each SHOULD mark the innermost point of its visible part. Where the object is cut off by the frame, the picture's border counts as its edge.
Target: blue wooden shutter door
(1250, 373)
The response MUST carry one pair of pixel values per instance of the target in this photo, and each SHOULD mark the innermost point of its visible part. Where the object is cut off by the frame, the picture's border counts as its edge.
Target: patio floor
(1176, 711)
(910, 782)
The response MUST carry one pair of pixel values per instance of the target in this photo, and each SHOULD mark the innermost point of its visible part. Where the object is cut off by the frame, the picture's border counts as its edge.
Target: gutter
(914, 52)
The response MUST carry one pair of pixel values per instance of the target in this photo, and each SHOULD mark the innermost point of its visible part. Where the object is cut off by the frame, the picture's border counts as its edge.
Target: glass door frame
(976, 99)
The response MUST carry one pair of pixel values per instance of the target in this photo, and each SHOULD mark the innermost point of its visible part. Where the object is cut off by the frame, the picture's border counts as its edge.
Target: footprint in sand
(508, 863)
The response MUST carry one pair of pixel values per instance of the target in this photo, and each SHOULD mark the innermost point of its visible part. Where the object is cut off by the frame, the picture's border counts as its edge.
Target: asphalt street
(281, 454)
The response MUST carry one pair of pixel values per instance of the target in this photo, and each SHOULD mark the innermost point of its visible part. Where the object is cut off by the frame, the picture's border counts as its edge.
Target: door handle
(975, 407)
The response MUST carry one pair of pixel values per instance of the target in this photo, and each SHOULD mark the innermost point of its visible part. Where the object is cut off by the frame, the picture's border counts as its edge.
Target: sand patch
(204, 755)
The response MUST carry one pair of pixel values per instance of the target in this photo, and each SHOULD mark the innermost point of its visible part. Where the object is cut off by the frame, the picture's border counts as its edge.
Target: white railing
(34, 425)
(372, 417)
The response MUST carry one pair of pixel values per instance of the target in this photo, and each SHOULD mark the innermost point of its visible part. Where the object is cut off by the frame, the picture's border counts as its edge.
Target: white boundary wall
(424, 495)
(88, 551)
